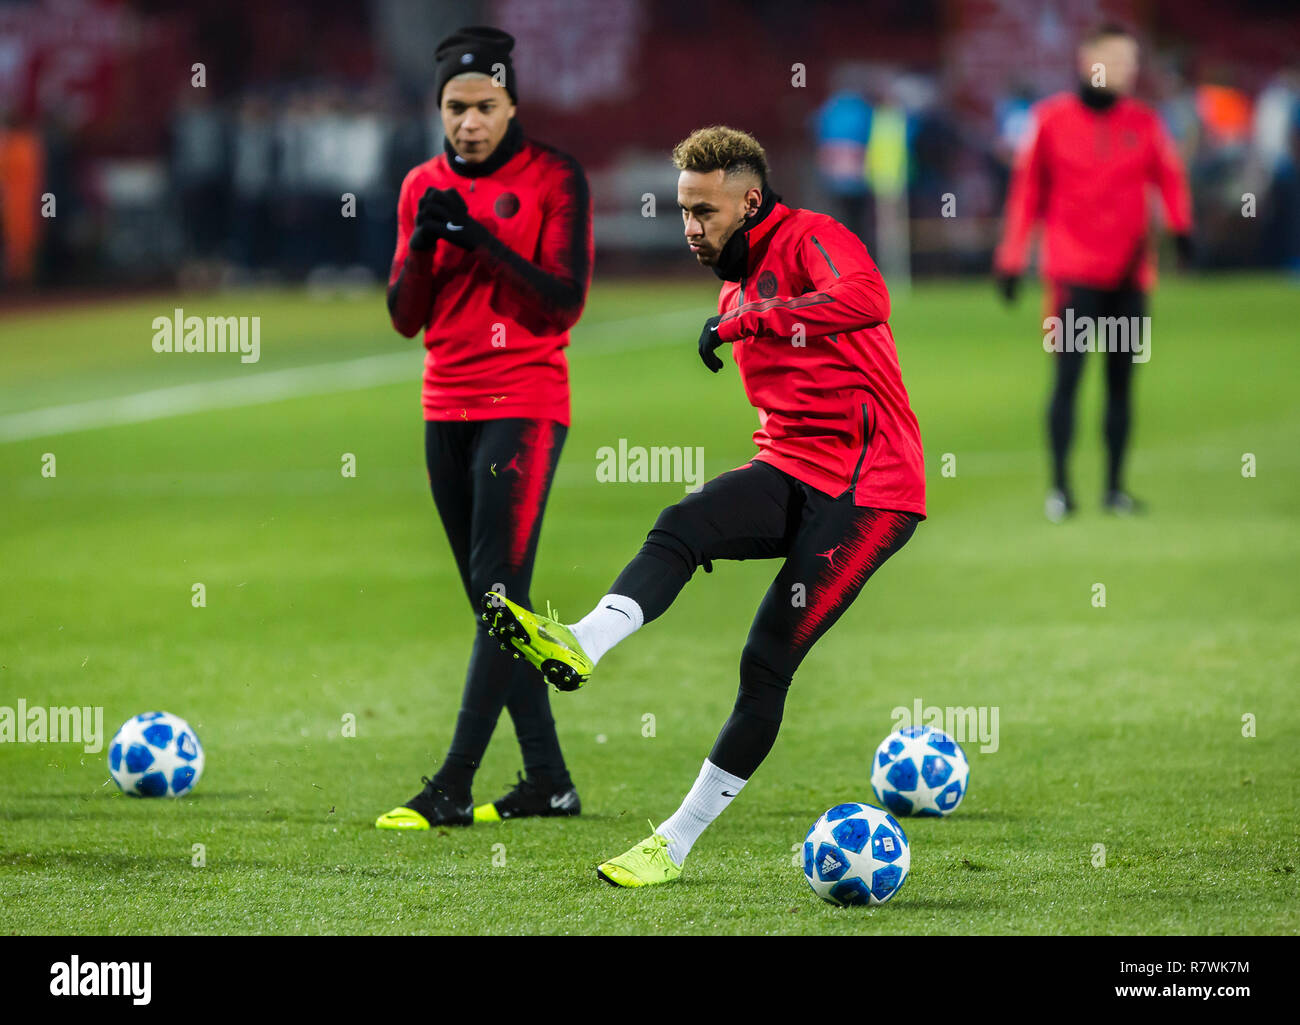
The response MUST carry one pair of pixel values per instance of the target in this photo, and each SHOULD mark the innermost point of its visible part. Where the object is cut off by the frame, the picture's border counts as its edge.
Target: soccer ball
(155, 754)
(856, 854)
(920, 770)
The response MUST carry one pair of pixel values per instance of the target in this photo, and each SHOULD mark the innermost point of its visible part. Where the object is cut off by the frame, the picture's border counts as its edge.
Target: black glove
(425, 234)
(1186, 251)
(452, 222)
(1008, 284)
(709, 341)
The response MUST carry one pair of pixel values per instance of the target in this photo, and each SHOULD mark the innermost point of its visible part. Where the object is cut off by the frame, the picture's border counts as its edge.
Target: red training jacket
(496, 320)
(832, 409)
(1085, 173)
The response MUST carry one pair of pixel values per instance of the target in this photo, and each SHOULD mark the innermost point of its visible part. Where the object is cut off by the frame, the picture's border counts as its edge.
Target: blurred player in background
(22, 176)
(493, 262)
(1084, 171)
(836, 488)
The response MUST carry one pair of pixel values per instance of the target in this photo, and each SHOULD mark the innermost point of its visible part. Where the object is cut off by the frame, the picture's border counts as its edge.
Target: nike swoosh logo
(546, 635)
(620, 612)
(455, 227)
(727, 793)
(562, 800)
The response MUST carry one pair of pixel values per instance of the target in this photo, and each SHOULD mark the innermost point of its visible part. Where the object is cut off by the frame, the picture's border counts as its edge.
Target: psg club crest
(507, 205)
(767, 284)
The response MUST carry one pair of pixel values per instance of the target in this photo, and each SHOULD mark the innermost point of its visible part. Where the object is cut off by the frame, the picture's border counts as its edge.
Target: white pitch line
(271, 386)
(230, 392)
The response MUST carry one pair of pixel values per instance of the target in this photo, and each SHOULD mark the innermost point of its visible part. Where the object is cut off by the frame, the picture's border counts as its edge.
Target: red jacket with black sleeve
(810, 333)
(496, 319)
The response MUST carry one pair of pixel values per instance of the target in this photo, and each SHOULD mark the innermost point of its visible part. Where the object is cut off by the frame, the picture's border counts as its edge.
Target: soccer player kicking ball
(1085, 169)
(836, 488)
(493, 262)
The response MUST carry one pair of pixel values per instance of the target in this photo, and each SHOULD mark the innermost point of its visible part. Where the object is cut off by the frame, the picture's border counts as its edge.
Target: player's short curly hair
(719, 148)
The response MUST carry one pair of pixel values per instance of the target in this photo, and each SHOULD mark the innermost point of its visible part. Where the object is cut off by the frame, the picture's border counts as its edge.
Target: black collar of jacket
(509, 145)
(1096, 99)
(733, 261)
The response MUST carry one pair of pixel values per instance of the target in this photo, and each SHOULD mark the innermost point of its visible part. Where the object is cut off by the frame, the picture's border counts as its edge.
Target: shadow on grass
(88, 862)
(905, 904)
(210, 806)
(781, 816)
(106, 813)
(110, 793)
(124, 863)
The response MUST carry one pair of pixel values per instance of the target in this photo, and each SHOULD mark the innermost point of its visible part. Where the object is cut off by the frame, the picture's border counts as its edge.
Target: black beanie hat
(476, 48)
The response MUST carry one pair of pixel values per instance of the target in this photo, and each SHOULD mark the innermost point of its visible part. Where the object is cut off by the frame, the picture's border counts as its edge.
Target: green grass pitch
(330, 597)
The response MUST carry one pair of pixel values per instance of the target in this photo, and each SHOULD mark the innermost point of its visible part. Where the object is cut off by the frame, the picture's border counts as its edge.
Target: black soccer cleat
(1059, 505)
(1121, 503)
(531, 799)
(433, 806)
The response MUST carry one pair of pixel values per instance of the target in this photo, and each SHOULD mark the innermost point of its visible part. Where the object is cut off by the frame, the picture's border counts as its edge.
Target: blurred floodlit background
(211, 142)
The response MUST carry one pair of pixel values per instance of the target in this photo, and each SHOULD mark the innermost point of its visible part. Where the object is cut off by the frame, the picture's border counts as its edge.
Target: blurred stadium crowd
(226, 142)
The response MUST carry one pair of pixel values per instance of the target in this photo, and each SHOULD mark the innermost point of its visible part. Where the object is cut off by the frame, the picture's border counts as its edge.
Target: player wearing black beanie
(477, 48)
(493, 261)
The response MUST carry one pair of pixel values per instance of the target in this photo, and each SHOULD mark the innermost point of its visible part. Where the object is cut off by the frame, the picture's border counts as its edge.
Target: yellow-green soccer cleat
(546, 643)
(487, 813)
(532, 797)
(433, 806)
(646, 864)
(402, 818)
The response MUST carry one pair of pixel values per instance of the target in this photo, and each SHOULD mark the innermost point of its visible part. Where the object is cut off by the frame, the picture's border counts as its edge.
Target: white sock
(712, 792)
(615, 618)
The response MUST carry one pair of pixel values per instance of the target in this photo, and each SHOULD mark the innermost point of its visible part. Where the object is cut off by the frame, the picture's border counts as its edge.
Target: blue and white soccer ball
(155, 754)
(920, 770)
(856, 854)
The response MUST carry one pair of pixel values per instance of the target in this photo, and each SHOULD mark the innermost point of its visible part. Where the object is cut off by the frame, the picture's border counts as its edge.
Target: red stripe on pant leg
(534, 463)
(858, 557)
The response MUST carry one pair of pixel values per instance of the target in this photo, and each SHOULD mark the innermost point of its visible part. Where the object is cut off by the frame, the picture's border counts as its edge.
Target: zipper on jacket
(834, 270)
(866, 443)
(825, 256)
